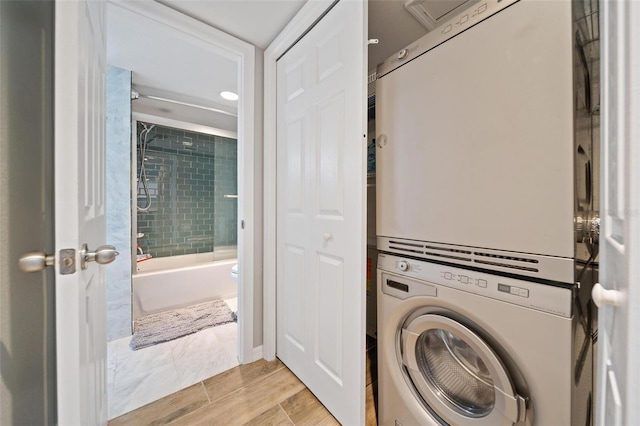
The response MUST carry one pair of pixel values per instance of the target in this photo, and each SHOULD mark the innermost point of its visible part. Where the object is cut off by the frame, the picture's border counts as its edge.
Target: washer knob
(403, 54)
(403, 265)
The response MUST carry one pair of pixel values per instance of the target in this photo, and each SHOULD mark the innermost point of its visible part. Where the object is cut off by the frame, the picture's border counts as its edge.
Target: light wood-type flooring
(261, 393)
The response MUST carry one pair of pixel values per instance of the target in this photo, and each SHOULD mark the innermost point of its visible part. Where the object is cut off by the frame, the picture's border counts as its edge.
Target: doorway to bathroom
(184, 220)
(189, 170)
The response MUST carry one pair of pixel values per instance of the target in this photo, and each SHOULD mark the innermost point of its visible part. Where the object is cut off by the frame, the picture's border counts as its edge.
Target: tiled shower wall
(193, 181)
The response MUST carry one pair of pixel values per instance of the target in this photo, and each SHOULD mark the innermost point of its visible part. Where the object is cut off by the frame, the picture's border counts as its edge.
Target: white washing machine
(464, 347)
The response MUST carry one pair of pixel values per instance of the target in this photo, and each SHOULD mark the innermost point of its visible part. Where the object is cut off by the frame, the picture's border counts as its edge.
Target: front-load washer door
(457, 374)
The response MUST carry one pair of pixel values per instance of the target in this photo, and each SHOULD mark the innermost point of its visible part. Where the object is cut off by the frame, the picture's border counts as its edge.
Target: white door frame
(295, 29)
(220, 43)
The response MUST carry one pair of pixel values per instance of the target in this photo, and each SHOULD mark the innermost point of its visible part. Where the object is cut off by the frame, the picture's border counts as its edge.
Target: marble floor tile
(144, 359)
(201, 355)
(116, 346)
(227, 337)
(113, 351)
(141, 389)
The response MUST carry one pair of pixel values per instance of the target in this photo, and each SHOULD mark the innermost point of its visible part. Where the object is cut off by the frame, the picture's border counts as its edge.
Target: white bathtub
(173, 282)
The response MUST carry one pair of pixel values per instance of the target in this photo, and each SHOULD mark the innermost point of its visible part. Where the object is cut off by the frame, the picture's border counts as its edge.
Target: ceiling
(257, 22)
(166, 64)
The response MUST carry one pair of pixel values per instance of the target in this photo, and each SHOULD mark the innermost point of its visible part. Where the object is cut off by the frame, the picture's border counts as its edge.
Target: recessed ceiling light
(231, 96)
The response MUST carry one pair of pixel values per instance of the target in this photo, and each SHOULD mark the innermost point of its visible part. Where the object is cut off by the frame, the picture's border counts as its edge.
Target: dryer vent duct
(431, 13)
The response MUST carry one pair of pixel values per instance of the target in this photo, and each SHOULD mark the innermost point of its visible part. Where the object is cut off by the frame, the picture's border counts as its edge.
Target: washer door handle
(409, 340)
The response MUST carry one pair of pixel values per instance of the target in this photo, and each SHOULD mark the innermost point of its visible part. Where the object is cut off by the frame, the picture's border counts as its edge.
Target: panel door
(321, 225)
(80, 69)
(618, 293)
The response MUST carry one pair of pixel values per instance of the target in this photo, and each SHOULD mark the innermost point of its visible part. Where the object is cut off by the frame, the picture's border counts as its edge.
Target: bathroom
(175, 200)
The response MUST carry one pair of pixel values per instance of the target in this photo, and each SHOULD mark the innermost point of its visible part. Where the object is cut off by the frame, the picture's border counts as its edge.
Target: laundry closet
(486, 140)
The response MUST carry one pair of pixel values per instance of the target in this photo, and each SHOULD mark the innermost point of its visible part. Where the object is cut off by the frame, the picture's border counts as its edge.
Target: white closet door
(321, 217)
(81, 341)
(618, 295)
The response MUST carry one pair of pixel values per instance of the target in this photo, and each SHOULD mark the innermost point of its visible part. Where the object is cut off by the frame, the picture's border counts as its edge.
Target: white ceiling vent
(431, 13)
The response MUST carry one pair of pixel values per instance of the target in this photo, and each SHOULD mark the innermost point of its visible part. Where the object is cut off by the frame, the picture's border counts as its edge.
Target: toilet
(234, 273)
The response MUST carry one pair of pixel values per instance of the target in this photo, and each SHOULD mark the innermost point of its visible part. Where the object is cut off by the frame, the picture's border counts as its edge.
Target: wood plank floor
(261, 393)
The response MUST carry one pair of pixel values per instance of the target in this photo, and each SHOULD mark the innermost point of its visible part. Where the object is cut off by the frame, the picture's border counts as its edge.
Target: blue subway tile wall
(188, 176)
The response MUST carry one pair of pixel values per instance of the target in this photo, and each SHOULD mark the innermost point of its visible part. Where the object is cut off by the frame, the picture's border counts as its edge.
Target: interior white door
(321, 224)
(618, 295)
(80, 70)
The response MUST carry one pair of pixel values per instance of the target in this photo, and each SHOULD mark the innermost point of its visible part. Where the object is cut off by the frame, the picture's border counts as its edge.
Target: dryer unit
(476, 142)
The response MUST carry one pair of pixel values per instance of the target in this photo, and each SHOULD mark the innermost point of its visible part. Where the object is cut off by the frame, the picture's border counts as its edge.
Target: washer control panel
(542, 297)
(464, 279)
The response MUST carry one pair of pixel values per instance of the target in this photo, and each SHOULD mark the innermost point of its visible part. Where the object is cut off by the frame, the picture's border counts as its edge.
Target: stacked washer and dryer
(487, 131)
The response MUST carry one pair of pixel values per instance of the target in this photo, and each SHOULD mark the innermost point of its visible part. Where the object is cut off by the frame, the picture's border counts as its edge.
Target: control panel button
(464, 19)
(482, 283)
(448, 275)
(482, 8)
(463, 279)
(403, 54)
(403, 265)
(524, 292)
(447, 28)
(515, 290)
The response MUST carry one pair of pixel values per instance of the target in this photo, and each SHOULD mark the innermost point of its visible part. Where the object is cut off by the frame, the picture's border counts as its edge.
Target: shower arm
(157, 98)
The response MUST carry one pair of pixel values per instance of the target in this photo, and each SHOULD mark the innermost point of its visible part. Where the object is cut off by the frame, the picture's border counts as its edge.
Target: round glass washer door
(457, 374)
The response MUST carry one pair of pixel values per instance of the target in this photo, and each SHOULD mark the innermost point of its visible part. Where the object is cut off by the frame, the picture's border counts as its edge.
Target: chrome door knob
(35, 261)
(102, 255)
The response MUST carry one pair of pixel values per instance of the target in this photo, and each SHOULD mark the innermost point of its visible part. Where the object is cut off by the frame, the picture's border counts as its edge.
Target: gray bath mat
(164, 326)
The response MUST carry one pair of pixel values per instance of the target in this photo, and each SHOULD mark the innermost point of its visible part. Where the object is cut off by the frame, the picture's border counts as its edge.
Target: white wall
(27, 299)
(258, 200)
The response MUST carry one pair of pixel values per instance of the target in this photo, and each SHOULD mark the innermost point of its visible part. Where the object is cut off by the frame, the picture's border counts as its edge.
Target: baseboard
(257, 353)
